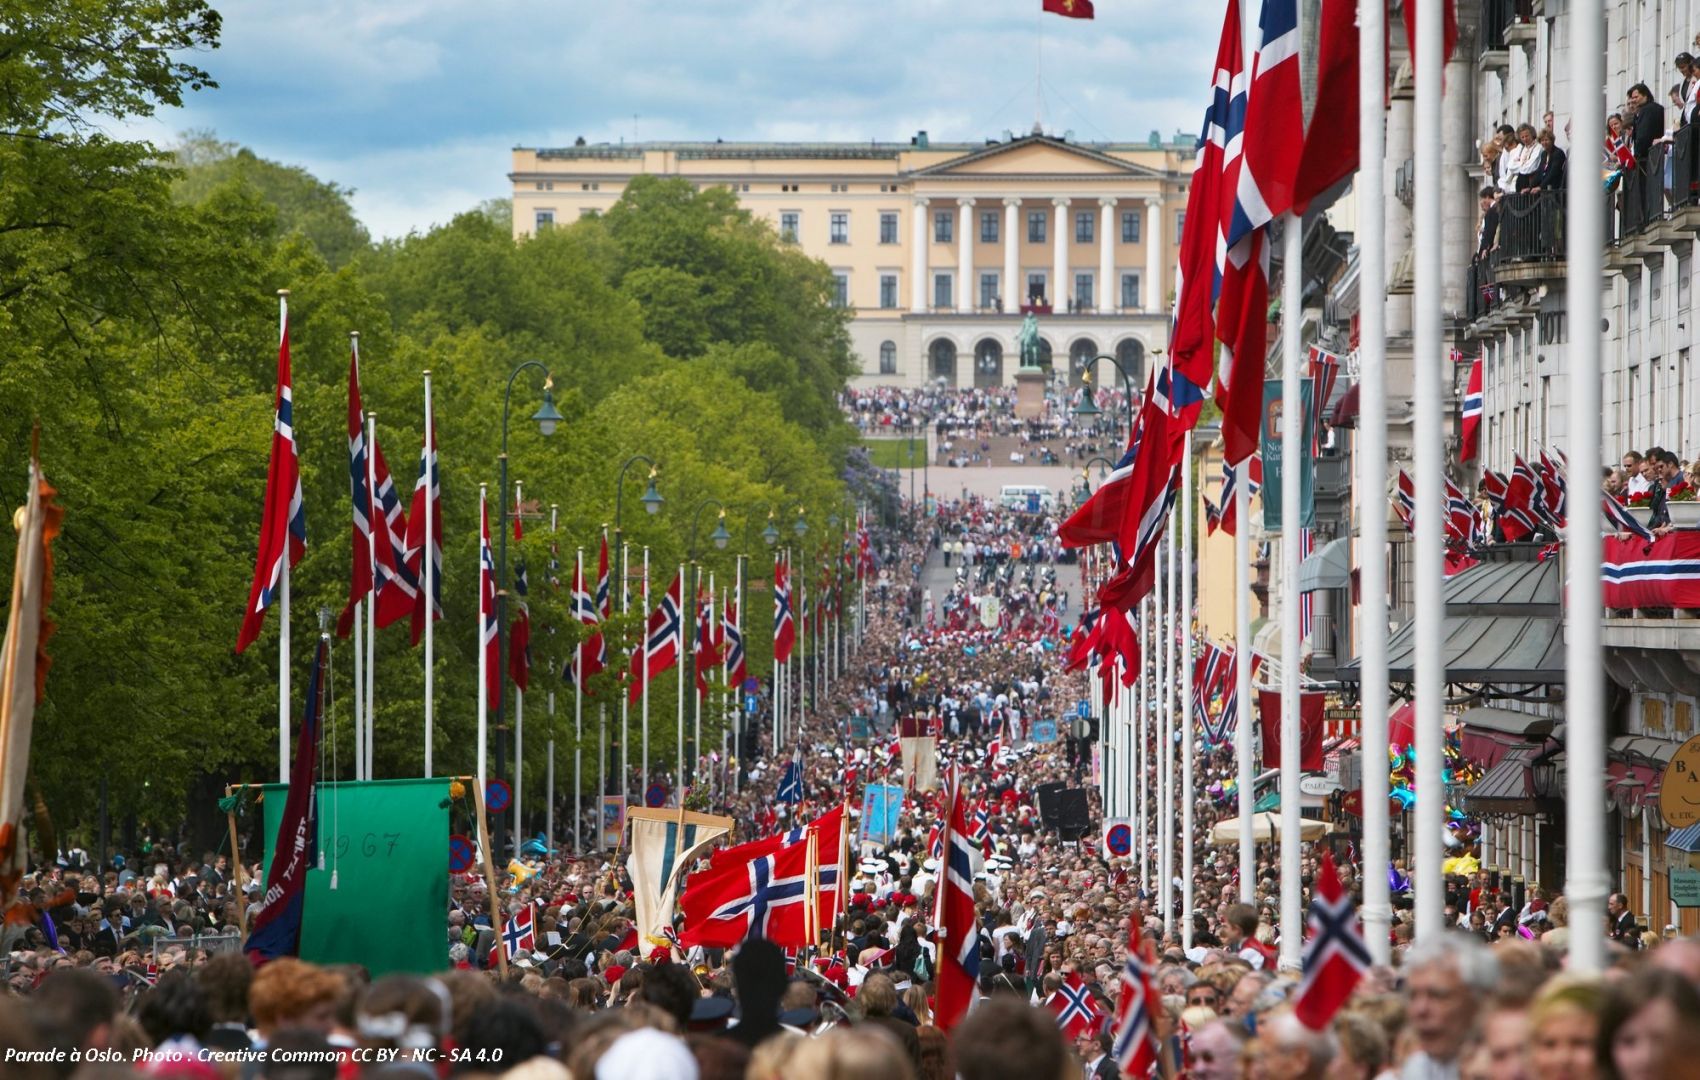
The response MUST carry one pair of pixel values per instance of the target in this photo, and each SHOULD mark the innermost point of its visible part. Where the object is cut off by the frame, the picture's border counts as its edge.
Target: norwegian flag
(784, 626)
(734, 639)
(1135, 1047)
(1553, 491)
(519, 634)
(709, 654)
(1307, 600)
(397, 592)
(662, 638)
(1335, 957)
(959, 946)
(1274, 124)
(1077, 1015)
(604, 601)
(360, 584)
(283, 520)
(487, 626)
(1229, 719)
(1405, 500)
(1470, 432)
(1462, 518)
(1324, 370)
(1619, 519)
(591, 655)
(993, 749)
(1212, 516)
(517, 937)
(1519, 518)
(738, 899)
(865, 550)
(1207, 674)
(980, 829)
(828, 831)
(427, 498)
(1494, 485)
(790, 788)
(1099, 518)
(1193, 333)
(1230, 480)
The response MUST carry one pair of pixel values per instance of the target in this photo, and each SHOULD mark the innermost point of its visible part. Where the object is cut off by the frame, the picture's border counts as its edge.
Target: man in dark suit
(1624, 930)
(1095, 1052)
(1649, 122)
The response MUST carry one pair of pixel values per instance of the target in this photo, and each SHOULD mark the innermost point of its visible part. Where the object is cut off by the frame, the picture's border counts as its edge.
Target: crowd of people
(127, 988)
(1654, 479)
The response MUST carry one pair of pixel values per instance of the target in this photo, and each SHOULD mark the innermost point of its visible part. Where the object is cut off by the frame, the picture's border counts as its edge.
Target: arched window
(1131, 354)
(888, 358)
(1080, 356)
(941, 357)
(988, 363)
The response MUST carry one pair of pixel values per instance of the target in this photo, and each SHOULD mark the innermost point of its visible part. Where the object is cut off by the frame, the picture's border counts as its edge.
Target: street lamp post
(652, 501)
(547, 418)
(687, 631)
(1088, 409)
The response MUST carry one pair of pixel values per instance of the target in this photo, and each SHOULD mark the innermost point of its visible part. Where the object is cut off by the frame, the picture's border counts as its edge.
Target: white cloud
(416, 106)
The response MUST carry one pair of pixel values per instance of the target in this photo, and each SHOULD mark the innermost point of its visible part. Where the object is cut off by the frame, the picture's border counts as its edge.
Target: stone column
(1059, 260)
(1153, 283)
(1014, 289)
(918, 258)
(964, 255)
(1107, 300)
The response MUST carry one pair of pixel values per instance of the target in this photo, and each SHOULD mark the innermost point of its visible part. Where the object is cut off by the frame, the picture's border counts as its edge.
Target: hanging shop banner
(1270, 441)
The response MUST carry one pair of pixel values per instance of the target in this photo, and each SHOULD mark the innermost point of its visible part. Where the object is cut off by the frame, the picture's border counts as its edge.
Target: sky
(417, 104)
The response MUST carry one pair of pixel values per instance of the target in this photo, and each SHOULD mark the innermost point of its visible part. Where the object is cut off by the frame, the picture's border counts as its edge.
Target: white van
(1027, 498)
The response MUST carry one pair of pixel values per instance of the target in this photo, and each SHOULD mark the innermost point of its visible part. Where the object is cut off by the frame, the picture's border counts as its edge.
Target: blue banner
(1044, 731)
(882, 805)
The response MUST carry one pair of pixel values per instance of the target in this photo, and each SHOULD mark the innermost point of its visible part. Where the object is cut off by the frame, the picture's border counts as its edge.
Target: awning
(1508, 787)
(1503, 631)
(1326, 569)
(1346, 409)
(1488, 747)
(1489, 733)
(1684, 839)
(1641, 749)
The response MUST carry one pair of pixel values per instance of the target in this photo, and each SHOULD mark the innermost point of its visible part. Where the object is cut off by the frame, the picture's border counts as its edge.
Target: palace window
(988, 290)
(944, 227)
(1130, 290)
(545, 220)
(888, 358)
(888, 227)
(840, 227)
(942, 292)
(840, 289)
(789, 221)
(1083, 227)
(888, 290)
(1036, 227)
(989, 227)
(1083, 290)
(1130, 226)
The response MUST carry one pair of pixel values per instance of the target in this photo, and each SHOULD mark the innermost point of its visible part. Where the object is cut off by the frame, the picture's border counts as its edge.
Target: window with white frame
(988, 290)
(838, 222)
(545, 220)
(989, 227)
(789, 222)
(840, 288)
(1130, 290)
(1036, 287)
(888, 358)
(1130, 226)
(888, 290)
(1083, 290)
(1036, 227)
(888, 227)
(944, 227)
(1083, 226)
(943, 291)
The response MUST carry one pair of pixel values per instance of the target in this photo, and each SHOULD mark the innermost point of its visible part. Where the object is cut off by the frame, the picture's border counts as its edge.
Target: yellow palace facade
(941, 249)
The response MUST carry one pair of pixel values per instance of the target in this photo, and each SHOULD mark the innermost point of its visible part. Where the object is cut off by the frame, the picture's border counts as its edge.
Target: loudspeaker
(1049, 794)
(1074, 817)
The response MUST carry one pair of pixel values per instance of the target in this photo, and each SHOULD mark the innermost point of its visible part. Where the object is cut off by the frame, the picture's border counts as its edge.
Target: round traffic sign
(656, 795)
(461, 854)
(1679, 790)
(498, 796)
(1118, 838)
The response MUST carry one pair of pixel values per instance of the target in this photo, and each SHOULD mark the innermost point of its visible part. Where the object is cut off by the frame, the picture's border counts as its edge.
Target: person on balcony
(1521, 161)
(1487, 236)
(1648, 123)
(1550, 175)
(1687, 88)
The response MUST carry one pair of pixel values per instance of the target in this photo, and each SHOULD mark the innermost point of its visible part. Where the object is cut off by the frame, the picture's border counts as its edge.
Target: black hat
(709, 1014)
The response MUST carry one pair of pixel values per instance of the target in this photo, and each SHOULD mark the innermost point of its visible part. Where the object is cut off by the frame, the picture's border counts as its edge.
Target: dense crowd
(1489, 999)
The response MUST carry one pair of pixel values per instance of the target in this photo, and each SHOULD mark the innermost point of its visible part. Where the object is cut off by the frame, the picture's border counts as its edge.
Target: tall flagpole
(578, 720)
(643, 644)
(1186, 724)
(1292, 521)
(1585, 867)
(626, 698)
(1372, 474)
(680, 651)
(427, 562)
(1428, 461)
(1142, 745)
(1245, 761)
(802, 653)
(283, 597)
(374, 515)
(738, 716)
(1170, 657)
(359, 682)
(1164, 797)
(519, 721)
(483, 653)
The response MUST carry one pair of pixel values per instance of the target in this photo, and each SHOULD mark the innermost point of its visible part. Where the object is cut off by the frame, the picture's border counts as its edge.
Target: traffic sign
(461, 854)
(1082, 709)
(498, 796)
(656, 795)
(1118, 839)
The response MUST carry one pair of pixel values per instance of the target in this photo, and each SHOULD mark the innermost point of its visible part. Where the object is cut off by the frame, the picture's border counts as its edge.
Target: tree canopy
(138, 329)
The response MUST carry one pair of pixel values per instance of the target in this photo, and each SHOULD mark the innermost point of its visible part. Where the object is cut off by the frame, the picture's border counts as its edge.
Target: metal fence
(1531, 226)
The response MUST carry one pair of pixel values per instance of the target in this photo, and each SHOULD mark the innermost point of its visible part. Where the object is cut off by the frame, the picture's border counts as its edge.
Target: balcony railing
(1496, 16)
(1684, 160)
(1531, 227)
(1639, 198)
(1482, 294)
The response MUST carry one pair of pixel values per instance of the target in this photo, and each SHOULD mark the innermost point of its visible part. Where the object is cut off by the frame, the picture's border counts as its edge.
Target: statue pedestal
(1029, 393)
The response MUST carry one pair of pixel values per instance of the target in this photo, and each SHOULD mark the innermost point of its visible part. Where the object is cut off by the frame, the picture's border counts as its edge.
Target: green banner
(387, 842)
(1270, 446)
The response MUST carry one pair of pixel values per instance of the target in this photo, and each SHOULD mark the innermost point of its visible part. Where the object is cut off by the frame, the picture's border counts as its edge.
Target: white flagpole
(427, 564)
(1372, 475)
(549, 781)
(625, 698)
(1292, 517)
(1428, 460)
(359, 682)
(283, 594)
(683, 661)
(1186, 724)
(519, 722)
(1166, 846)
(1141, 753)
(802, 653)
(737, 701)
(1585, 708)
(1245, 759)
(374, 515)
(483, 654)
(643, 644)
(711, 624)
(578, 723)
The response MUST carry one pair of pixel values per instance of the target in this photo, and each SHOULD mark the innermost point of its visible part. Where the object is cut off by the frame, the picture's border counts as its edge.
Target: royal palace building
(940, 249)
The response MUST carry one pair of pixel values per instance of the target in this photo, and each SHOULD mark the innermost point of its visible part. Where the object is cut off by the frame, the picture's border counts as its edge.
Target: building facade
(941, 249)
